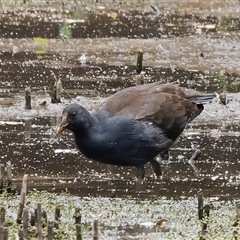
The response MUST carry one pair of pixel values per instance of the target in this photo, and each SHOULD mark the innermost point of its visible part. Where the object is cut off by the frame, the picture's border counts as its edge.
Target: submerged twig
(139, 62)
(168, 51)
(191, 161)
(57, 217)
(95, 229)
(50, 233)
(25, 224)
(200, 206)
(22, 198)
(2, 217)
(28, 98)
(9, 176)
(78, 218)
(2, 168)
(39, 221)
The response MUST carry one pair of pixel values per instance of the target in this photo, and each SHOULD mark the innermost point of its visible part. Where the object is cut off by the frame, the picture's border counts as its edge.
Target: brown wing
(143, 100)
(140, 100)
(173, 114)
(127, 101)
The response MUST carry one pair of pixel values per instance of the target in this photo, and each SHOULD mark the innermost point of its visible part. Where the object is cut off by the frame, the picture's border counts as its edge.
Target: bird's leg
(164, 155)
(156, 168)
(140, 172)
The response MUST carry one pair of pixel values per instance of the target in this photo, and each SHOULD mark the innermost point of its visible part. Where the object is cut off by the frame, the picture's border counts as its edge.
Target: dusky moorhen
(131, 127)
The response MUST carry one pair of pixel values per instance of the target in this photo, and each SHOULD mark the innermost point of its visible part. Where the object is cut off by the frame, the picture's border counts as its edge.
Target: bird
(134, 125)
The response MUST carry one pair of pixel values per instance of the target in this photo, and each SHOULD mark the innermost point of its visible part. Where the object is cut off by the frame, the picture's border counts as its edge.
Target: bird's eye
(73, 114)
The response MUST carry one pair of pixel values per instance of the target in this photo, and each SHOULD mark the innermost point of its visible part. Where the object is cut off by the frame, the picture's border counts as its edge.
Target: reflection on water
(55, 164)
(94, 79)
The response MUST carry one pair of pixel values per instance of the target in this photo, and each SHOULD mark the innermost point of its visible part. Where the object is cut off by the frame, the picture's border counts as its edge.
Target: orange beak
(62, 126)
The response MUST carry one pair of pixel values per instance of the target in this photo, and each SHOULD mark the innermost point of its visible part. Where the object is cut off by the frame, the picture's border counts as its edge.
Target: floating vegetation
(228, 23)
(40, 45)
(80, 14)
(225, 81)
(65, 31)
(40, 40)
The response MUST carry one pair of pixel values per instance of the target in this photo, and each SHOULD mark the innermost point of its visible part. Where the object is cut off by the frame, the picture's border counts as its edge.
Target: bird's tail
(195, 114)
(202, 98)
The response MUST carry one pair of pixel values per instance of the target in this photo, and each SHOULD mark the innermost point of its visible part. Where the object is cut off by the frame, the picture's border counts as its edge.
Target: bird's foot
(140, 174)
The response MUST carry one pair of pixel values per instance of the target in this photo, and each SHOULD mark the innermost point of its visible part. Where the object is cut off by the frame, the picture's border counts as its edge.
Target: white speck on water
(10, 123)
(62, 150)
(82, 59)
(214, 178)
(180, 157)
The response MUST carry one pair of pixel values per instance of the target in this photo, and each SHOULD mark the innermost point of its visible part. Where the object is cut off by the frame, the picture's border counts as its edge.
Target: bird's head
(74, 117)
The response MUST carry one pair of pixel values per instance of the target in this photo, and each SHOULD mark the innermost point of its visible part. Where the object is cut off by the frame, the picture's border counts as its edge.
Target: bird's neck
(85, 138)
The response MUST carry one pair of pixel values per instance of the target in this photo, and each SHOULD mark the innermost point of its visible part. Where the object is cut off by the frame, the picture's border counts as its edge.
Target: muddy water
(33, 149)
(200, 51)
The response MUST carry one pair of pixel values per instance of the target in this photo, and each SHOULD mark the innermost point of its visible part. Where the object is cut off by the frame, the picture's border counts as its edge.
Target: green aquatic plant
(80, 14)
(65, 31)
(221, 78)
(223, 81)
(122, 213)
(228, 24)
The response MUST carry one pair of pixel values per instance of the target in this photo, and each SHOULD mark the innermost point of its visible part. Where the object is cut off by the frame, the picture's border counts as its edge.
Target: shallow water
(55, 163)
